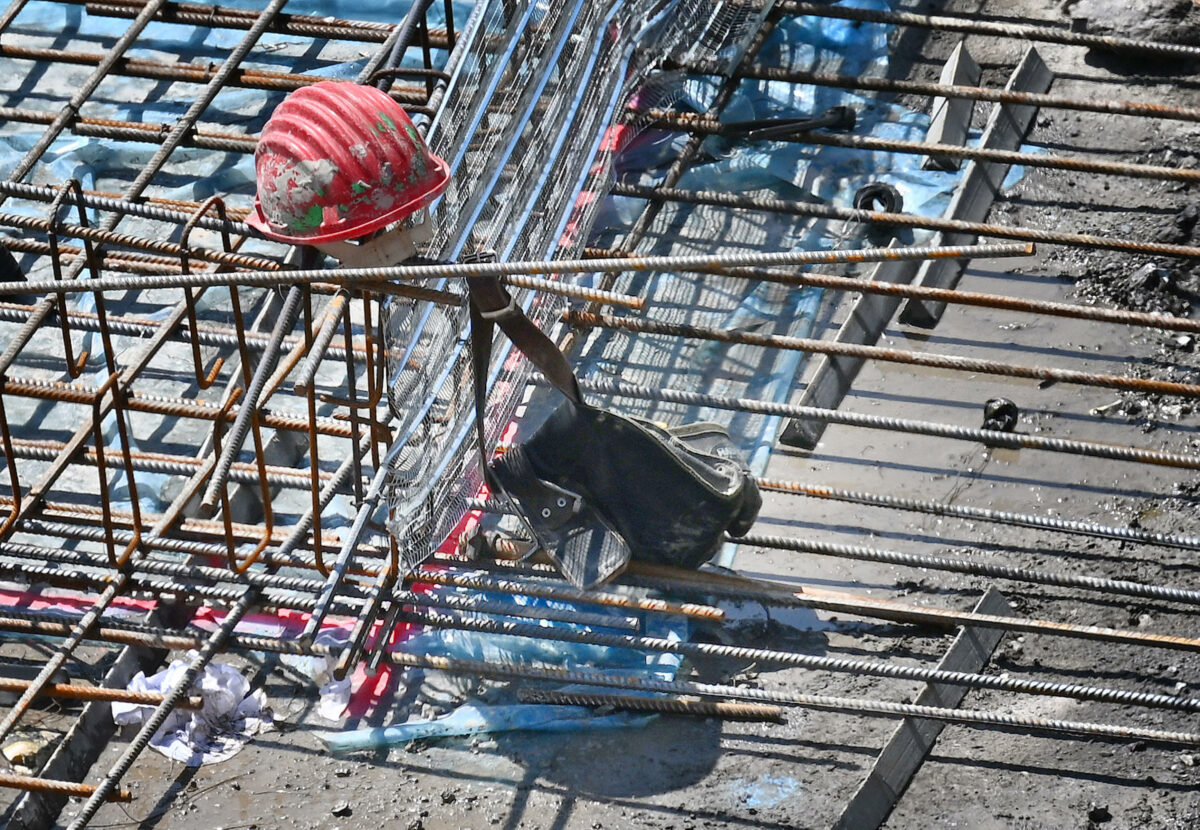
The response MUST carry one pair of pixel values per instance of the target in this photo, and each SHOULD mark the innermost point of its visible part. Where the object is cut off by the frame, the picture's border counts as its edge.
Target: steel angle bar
(984, 514)
(928, 359)
(857, 706)
(826, 385)
(468, 270)
(997, 27)
(990, 438)
(908, 746)
(981, 182)
(950, 118)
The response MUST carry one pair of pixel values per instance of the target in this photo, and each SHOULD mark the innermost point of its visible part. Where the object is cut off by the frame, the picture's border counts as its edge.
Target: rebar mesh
(547, 112)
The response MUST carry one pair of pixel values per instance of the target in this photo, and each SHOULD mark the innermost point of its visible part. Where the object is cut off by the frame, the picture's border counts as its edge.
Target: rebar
(71, 691)
(926, 359)
(70, 110)
(723, 709)
(954, 296)
(972, 717)
(229, 17)
(150, 133)
(468, 270)
(873, 668)
(987, 437)
(478, 582)
(190, 73)
(68, 788)
(985, 514)
(905, 220)
(1000, 28)
(960, 564)
(974, 93)
(248, 410)
(691, 123)
(196, 664)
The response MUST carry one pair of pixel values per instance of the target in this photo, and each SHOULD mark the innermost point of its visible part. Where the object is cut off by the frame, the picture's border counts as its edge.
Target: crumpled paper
(334, 694)
(231, 714)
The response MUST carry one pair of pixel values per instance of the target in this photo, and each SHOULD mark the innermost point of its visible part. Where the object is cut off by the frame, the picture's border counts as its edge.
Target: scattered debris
(1000, 415)
(232, 714)
(31, 749)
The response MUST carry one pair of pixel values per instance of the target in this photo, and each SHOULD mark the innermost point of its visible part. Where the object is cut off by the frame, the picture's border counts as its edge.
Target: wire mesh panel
(531, 127)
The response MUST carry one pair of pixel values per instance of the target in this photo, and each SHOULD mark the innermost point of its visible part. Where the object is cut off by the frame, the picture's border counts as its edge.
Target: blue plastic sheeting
(797, 170)
(473, 719)
(536, 651)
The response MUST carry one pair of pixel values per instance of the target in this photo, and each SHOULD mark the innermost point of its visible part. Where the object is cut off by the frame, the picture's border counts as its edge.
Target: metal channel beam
(1006, 129)
(906, 750)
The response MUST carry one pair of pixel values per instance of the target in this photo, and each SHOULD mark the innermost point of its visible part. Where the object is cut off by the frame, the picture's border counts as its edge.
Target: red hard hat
(338, 160)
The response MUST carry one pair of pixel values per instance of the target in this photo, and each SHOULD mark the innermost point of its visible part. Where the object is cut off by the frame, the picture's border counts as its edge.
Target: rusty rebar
(1043, 100)
(32, 783)
(374, 278)
(925, 359)
(1123, 316)
(723, 709)
(190, 72)
(859, 706)
(692, 123)
(478, 582)
(171, 406)
(905, 220)
(73, 691)
(151, 133)
(227, 17)
(70, 111)
(1139, 535)
(999, 28)
(987, 437)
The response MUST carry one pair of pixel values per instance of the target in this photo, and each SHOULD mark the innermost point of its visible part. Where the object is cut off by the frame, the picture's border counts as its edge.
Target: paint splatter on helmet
(338, 160)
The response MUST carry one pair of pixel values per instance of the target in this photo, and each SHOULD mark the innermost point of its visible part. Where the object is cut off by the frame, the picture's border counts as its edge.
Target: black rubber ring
(879, 196)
